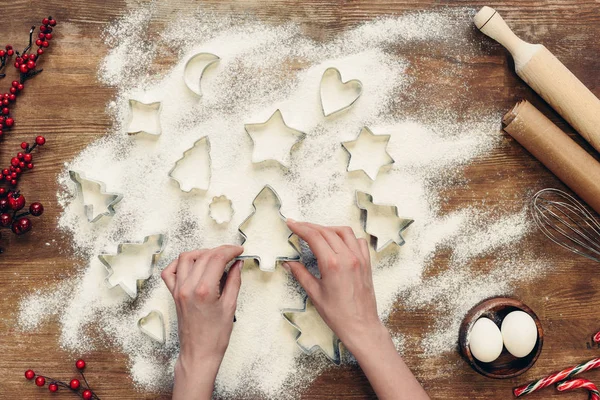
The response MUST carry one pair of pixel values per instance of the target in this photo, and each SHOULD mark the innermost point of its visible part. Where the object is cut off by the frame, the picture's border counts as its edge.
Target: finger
(304, 278)
(216, 261)
(315, 240)
(364, 248)
(169, 275)
(333, 239)
(347, 235)
(185, 263)
(233, 284)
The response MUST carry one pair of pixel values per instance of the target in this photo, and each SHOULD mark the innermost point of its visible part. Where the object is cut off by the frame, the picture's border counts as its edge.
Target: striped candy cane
(580, 383)
(556, 377)
(597, 337)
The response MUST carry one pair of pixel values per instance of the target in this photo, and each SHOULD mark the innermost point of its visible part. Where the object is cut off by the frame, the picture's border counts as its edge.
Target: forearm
(195, 381)
(389, 376)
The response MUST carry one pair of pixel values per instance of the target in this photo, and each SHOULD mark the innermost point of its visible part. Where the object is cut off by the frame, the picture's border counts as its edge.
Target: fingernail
(286, 266)
(291, 220)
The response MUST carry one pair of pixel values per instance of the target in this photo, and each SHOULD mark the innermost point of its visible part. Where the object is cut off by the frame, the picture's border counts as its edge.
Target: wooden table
(66, 104)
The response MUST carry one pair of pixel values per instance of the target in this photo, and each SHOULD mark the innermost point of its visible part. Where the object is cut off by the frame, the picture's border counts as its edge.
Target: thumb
(233, 284)
(304, 277)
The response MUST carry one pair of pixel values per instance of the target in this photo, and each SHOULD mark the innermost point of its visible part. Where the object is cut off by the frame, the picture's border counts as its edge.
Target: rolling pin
(541, 70)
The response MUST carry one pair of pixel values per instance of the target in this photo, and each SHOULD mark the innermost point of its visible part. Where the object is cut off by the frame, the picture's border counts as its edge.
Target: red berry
(27, 157)
(6, 220)
(16, 201)
(19, 60)
(40, 140)
(10, 52)
(19, 227)
(15, 83)
(9, 122)
(30, 165)
(2, 191)
(5, 111)
(25, 57)
(13, 90)
(43, 28)
(21, 164)
(8, 47)
(40, 52)
(1, 132)
(18, 170)
(12, 97)
(23, 68)
(14, 175)
(36, 209)
(52, 21)
(5, 171)
(48, 36)
(74, 384)
(17, 65)
(2, 53)
(31, 64)
(20, 155)
(41, 35)
(45, 21)
(53, 387)
(45, 43)
(24, 145)
(20, 87)
(38, 42)
(13, 182)
(3, 204)
(80, 364)
(40, 381)
(14, 161)
(5, 102)
(86, 395)
(29, 374)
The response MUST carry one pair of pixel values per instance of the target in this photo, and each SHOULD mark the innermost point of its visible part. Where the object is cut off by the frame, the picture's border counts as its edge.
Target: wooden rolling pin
(541, 70)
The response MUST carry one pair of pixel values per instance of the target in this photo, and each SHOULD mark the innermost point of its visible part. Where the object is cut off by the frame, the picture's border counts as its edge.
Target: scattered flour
(264, 68)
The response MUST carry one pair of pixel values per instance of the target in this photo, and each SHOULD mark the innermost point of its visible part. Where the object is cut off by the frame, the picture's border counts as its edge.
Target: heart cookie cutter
(192, 75)
(220, 209)
(142, 114)
(185, 186)
(130, 284)
(112, 198)
(309, 315)
(153, 326)
(367, 134)
(352, 89)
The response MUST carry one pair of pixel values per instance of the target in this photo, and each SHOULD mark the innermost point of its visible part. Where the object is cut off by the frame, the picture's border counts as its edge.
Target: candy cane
(580, 383)
(556, 377)
(597, 337)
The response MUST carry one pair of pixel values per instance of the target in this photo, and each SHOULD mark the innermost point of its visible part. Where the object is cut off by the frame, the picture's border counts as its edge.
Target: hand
(204, 315)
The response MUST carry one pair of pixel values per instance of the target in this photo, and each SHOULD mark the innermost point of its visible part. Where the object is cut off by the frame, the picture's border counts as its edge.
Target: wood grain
(67, 105)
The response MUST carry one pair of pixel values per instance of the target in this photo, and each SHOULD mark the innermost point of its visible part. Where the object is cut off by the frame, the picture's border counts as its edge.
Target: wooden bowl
(507, 365)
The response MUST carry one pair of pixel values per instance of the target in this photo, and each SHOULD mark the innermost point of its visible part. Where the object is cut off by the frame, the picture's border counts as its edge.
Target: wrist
(195, 375)
(367, 338)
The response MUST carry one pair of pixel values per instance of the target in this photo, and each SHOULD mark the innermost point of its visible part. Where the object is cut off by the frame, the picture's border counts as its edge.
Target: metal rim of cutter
(198, 92)
(147, 332)
(156, 105)
(339, 75)
(365, 128)
(185, 154)
(77, 177)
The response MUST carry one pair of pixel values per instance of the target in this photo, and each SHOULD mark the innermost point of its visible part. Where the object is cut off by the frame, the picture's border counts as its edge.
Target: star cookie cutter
(130, 284)
(349, 92)
(291, 239)
(142, 114)
(276, 118)
(220, 209)
(364, 201)
(371, 136)
(309, 312)
(80, 180)
(153, 326)
(182, 182)
(194, 69)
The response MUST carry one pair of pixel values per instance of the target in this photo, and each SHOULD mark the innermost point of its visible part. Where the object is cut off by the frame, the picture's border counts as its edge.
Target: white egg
(519, 333)
(485, 340)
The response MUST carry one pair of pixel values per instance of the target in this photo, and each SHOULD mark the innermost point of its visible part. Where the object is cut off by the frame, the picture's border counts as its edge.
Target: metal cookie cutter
(110, 201)
(220, 209)
(268, 264)
(366, 134)
(189, 186)
(132, 280)
(300, 318)
(142, 115)
(364, 201)
(275, 124)
(348, 92)
(153, 326)
(194, 70)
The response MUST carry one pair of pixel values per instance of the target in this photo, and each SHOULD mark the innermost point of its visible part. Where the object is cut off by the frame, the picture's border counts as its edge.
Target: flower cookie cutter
(153, 326)
(309, 316)
(372, 211)
(127, 275)
(269, 195)
(110, 198)
(367, 134)
(220, 209)
(192, 170)
(348, 92)
(194, 70)
(144, 118)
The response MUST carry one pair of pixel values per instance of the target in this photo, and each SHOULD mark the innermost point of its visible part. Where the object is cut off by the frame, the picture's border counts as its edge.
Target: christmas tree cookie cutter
(337, 95)
(178, 172)
(153, 326)
(330, 345)
(220, 209)
(268, 264)
(372, 212)
(144, 118)
(127, 277)
(194, 69)
(111, 199)
(366, 134)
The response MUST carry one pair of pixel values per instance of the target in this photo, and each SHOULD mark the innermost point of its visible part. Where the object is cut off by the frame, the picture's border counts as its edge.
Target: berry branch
(75, 385)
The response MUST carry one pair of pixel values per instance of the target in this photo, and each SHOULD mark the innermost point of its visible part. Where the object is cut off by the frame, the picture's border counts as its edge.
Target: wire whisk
(567, 222)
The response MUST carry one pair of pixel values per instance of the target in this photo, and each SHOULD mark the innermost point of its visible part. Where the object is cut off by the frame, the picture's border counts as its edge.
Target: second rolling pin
(541, 70)
(556, 150)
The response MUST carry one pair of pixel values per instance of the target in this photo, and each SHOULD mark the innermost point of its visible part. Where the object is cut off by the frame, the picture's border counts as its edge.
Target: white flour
(263, 68)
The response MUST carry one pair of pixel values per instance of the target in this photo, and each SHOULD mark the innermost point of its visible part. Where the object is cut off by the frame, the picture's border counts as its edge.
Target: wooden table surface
(66, 104)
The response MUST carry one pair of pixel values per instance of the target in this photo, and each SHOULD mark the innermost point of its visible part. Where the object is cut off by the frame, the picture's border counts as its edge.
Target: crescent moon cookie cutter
(291, 240)
(111, 199)
(198, 182)
(364, 201)
(325, 342)
(153, 326)
(192, 76)
(349, 92)
(130, 276)
(144, 118)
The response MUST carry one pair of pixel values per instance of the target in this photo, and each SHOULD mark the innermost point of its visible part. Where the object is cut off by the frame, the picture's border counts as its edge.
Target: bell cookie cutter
(364, 201)
(275, 120)
(88, 208)
(130, 284)
(220, 209)
(192, 76)
(153, 326)
(351, 89)
(367, 134)
(270, 194)
(297, 318)
(181, 182)
(142, 115)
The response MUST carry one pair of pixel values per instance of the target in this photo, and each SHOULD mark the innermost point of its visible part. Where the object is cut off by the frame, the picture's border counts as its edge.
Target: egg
(519, 333)
(485, 340)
